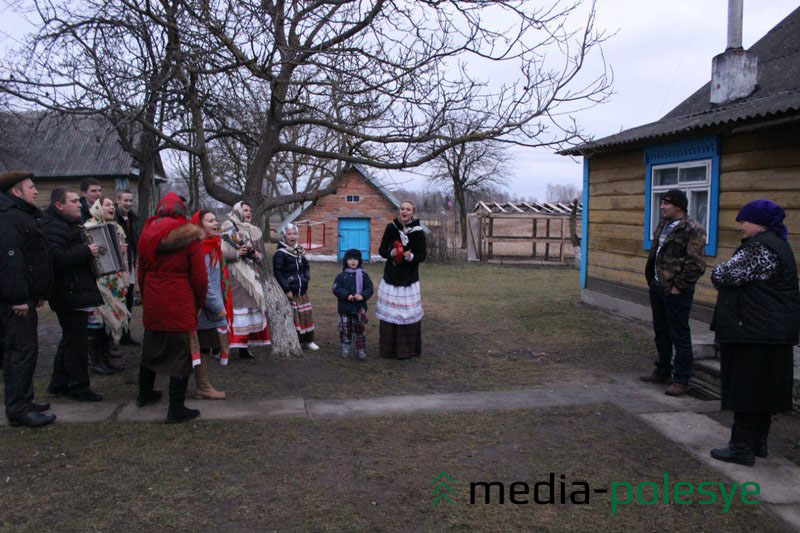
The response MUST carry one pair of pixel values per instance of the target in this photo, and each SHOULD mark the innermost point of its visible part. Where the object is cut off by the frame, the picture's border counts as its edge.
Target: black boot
(762, 432)
(96, 355)
(738, 453)
(178, 412)
(107, 355)
(244, 354)
(147, 395)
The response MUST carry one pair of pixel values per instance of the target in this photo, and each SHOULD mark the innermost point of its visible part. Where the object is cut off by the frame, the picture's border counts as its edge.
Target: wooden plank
(635, 172)
(628, 187)
(606, 203)
(766, 158)
(500, 207)
(617, 231)
(620, 216)
(774, 179)
(618, 261)
(735, 200)
(624, 159)
(626, 246)
(766, 139)
(515, 207)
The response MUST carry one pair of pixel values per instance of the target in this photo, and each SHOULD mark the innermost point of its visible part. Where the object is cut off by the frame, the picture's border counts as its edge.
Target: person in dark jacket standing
(756, 322)
(291, 269)
(399, 305)
(673, 267)
(353, 287)
(129, 222)
(74, 295)
(173, 279)
(26, 275)
(91, 190)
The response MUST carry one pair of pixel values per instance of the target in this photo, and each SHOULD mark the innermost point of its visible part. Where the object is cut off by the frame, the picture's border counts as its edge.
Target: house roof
(371, 179)
(53, 146)
(777, 95)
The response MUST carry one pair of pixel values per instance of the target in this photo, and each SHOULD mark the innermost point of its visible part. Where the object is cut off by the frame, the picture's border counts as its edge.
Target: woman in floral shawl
(246, 302)
(112, 319)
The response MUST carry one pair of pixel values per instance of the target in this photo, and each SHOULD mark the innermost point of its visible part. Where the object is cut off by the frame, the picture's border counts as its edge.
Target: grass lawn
(353, 474)
(485, 327)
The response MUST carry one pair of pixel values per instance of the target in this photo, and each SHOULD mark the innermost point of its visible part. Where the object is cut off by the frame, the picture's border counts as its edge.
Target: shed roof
(777, 95)
(53, 146)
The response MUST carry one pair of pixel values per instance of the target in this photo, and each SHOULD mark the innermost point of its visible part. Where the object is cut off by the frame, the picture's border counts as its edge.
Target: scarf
(237, 233)
(113, 287)
(359, 278)
(405, 230)
(764, 213)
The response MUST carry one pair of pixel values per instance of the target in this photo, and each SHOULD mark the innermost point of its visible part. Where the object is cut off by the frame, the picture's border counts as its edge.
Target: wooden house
(735, 140)
(355, 216)
(62, 151)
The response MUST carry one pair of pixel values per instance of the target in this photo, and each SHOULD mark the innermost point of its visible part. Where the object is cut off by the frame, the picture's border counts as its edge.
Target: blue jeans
(671, 326)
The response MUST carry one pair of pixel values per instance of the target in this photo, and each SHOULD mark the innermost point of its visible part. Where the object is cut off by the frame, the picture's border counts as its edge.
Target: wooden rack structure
(524, 233)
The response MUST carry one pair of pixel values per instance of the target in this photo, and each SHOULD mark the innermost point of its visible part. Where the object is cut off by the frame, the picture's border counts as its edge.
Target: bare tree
(469, 169)
(377, 81)
(562, 193)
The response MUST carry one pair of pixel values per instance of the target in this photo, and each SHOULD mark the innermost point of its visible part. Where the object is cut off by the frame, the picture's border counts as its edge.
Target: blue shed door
(354, 233)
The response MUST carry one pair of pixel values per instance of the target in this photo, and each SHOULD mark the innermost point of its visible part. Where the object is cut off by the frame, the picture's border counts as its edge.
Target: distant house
(744, 146)
(355, 216)
(61, 151)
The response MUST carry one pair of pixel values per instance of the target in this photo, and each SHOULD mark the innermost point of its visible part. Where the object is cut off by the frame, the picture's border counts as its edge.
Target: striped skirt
(399, 305)
(303, 314)
(248, 327)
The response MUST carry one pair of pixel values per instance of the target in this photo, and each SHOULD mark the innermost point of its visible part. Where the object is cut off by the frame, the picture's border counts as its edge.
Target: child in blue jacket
(353, 288)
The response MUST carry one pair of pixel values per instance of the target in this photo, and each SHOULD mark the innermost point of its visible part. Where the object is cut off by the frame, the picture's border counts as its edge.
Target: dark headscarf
(764, 213)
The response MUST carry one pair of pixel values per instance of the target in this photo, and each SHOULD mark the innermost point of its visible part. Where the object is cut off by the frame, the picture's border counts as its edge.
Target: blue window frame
(692, 166)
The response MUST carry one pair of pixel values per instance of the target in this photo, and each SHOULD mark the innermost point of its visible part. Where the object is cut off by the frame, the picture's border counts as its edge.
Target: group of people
(202, 285)
(756, 319)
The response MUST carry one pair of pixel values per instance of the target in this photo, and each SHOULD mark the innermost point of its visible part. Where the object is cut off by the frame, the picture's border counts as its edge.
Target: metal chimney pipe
(735, 15)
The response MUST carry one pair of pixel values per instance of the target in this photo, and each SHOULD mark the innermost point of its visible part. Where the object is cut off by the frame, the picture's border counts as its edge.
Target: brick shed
(355, 216)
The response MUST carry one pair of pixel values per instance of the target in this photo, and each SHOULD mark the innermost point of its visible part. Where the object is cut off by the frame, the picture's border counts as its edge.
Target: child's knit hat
(352, 253)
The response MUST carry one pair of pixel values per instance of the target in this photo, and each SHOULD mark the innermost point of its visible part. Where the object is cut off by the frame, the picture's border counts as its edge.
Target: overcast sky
(660, 55)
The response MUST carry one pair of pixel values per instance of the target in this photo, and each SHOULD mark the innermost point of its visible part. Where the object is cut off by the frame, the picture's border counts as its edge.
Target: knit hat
(764, 213)
(676, 197)
(352, 253)
(12, 177)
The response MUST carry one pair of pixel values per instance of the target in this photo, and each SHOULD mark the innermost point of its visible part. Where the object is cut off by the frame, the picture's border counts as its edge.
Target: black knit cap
(352, 253)
(677, 198)
(12, 177)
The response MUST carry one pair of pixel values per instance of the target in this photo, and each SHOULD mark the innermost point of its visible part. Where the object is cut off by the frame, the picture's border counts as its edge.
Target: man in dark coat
(74, 295)
(128, 221)
(91, 190)
(26, 275)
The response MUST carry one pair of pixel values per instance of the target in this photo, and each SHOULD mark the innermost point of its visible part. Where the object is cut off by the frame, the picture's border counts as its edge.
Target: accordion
(109, 258)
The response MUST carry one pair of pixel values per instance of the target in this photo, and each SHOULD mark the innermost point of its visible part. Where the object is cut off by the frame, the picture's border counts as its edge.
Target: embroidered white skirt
(399, 305)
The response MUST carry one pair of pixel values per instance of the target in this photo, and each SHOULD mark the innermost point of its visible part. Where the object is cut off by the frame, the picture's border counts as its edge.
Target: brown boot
(204, 390)
(676, 389)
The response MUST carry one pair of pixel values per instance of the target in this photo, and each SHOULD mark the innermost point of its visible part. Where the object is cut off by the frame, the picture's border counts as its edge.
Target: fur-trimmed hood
(180, 237)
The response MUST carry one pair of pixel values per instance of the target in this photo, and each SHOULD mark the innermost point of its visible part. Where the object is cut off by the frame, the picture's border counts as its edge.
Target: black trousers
(19, 359)
(2, 340)
(71, 364)
(671, 328)
(750, 428)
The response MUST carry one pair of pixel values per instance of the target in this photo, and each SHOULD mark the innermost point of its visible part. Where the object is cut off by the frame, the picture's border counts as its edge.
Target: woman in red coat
(173, 280)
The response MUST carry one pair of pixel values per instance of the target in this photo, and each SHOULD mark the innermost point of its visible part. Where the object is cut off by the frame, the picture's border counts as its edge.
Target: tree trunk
(145, 192)
(285, 342)
(462, 218)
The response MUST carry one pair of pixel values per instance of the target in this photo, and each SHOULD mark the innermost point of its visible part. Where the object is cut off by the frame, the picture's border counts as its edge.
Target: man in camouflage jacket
(673, 267)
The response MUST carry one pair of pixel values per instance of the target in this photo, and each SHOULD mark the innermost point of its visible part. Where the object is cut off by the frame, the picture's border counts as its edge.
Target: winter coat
(74, 281)
(131, 235)
(404, 273)
(291, 270)
(345, 284)
(173, 280)
(209, 316)
(26, 269)
(680, 261)
(765, 311)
